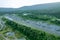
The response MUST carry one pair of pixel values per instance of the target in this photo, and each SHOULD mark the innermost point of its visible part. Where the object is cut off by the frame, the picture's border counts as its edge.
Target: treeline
(51, 12)
(32, 34)
(48, 18)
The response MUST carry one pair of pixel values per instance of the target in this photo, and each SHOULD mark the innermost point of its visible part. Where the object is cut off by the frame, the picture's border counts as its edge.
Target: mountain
(7, 9)
(35, 7)
(52, 9)
(47, 6)
(42, 6)
(44, 9)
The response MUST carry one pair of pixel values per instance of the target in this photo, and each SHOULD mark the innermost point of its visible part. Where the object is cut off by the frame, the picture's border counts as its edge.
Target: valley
(36, 22)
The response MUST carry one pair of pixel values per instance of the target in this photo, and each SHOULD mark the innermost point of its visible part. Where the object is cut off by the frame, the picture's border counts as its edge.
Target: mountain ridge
(41, 6)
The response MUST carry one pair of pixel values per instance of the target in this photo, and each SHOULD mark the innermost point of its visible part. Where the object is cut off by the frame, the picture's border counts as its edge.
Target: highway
(39, 25)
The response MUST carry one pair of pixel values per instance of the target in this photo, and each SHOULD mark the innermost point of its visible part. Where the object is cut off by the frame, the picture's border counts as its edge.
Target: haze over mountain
(35, 7)
(42, 6)
(7, 9)
(52, 9)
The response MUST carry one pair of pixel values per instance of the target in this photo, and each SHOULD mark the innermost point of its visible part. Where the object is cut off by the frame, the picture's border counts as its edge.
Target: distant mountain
(42, 6)
(47, 9)
(7, 9)
(52, 9)
(47, 6)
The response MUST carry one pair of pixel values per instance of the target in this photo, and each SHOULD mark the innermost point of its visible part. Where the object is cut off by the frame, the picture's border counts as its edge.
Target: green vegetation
(31, 33)
(51, 16)
(7, 33)
(51, 12)
(46, 18)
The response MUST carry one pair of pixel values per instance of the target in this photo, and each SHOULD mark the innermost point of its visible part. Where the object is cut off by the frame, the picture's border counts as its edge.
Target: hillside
(52, 9)
(36, 22)
(47, 6)
(41, 29)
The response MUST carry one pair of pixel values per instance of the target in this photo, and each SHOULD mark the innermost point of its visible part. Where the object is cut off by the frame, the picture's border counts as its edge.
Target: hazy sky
(20, 3)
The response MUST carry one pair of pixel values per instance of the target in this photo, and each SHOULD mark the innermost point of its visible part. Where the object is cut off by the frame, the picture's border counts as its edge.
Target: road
(40, 25)
(2, 25)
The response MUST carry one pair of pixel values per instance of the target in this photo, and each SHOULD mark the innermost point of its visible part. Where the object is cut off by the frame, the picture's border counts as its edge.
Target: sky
(20, 3)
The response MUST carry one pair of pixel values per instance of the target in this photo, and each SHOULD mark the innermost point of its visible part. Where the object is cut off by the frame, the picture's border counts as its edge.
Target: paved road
(40, 25)
(2, 25)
